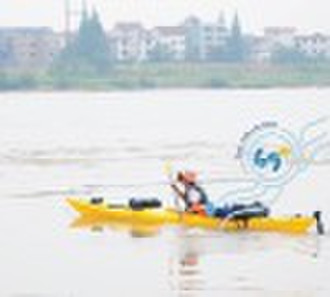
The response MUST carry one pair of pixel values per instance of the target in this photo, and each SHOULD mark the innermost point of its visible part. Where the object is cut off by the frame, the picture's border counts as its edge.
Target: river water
(115, 145)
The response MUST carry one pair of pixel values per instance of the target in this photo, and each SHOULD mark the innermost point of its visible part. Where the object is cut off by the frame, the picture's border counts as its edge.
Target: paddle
(168, 170)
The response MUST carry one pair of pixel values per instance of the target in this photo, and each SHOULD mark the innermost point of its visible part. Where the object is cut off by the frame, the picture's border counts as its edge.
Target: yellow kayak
(103, 213)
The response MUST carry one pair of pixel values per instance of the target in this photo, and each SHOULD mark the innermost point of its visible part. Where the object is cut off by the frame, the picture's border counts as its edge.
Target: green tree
(236, 49)
(192, 36)
(88, 53)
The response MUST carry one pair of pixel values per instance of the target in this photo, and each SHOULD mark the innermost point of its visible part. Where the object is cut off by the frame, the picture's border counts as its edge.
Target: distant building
(315, 45)
(280, 37)
(192, 29)
(260, 51)
(130, 42)
(203, 39)
(273, 38)
(5, 52)
(29, 48)
(172, 39)
(193, 40)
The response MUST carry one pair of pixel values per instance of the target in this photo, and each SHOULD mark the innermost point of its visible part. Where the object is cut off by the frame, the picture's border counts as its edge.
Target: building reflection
(200, 263)
(186, 275)
(205, 263)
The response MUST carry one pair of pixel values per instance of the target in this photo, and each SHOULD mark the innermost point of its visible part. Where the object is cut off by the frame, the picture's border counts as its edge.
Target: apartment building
(130, 42)
(273, 38)
(192, 40)
(260, 51)
(204, 38)
(280, 36)
(29, 48)
(5, 52)
(315, 45)
(173, 40)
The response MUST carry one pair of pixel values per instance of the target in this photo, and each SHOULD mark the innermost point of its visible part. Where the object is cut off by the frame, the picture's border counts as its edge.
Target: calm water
(55, 145)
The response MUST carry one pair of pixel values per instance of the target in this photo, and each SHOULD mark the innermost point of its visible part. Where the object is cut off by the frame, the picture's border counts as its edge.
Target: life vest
(197, 208)
(196, 199)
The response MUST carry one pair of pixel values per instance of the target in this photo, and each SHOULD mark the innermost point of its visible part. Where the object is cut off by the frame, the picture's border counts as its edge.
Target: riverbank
(171, 75)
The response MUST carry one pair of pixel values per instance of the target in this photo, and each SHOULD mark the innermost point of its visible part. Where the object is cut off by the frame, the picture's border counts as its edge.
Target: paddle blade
(168, 169)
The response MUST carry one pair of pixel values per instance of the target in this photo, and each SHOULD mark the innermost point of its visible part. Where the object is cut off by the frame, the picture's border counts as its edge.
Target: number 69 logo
(271, 155)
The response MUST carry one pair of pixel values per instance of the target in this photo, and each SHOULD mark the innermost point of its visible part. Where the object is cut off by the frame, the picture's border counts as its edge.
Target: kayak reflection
(100, 225)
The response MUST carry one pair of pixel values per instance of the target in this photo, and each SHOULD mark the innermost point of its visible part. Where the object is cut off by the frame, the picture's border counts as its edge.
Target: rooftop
(167, 30)
(26, 30)
(129, 26)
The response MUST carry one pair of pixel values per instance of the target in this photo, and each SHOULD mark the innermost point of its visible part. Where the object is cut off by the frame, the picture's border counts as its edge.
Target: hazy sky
(306, 15)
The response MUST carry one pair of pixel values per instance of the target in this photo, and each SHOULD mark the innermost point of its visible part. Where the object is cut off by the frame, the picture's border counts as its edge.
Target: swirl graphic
(270, 156)
(273, 157)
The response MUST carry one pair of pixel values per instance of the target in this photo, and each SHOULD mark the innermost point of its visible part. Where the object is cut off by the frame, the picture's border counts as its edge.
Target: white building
(5, 52)
(280, 37)
(173, 39)
(260, 49)
(131, 42)
(213, 37)
(31, 47)
(314, 45)
(205, 38)
(285, 37)
(273, 38)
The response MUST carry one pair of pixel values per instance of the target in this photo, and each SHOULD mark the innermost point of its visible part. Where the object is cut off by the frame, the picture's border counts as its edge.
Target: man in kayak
(196, 200)
(193, 195)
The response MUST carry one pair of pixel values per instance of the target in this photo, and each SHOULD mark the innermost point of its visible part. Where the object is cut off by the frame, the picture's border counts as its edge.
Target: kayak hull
(102, 212)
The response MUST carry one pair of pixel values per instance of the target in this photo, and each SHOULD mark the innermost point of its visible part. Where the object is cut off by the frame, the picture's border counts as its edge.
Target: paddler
(192, 194)
(196, 200)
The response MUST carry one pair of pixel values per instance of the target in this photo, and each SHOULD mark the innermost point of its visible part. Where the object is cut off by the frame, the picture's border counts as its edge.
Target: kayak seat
(96, 200)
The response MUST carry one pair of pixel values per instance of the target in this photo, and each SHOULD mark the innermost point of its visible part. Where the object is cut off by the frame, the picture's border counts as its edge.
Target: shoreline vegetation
(169, 75)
